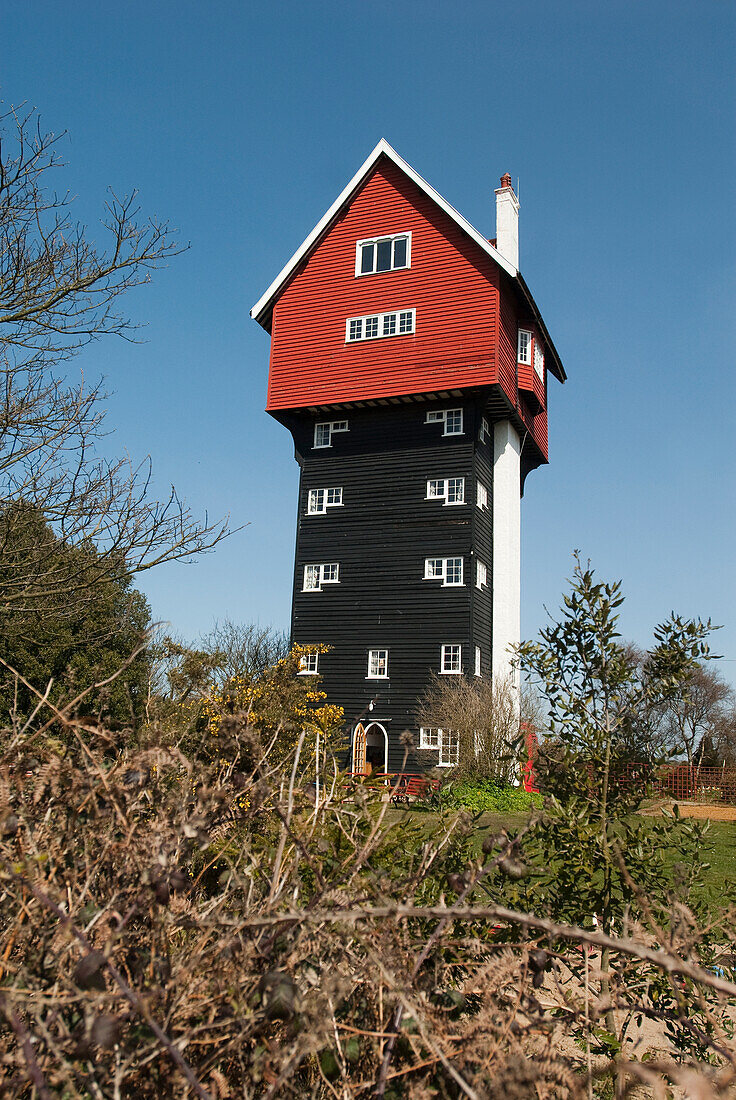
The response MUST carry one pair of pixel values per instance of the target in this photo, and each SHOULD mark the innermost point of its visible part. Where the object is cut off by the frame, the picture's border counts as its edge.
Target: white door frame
(368, 727)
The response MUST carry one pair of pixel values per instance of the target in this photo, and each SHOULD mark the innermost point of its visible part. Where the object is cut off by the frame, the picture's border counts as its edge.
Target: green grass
(719, 849)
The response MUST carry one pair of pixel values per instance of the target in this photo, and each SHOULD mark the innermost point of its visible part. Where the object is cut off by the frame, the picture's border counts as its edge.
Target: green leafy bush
(481, 795)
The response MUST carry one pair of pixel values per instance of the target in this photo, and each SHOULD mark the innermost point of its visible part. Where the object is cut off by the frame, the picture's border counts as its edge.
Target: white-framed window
(325, 429)
(481, 495)
(449, 489)
(451, 658)
(485, 431)
(446, 741)
(449, 748)
(319, 500)
(308, 664)
(429, 737)
(481, 574)
(448, 570)
(524, 347)
(398, 322)
(450, 419)
(538, 361)
(377, 664)
(376, 254)
(317, 575)
(477, 660)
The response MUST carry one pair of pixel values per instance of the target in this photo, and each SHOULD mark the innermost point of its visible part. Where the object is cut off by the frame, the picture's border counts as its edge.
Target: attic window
(378, 254)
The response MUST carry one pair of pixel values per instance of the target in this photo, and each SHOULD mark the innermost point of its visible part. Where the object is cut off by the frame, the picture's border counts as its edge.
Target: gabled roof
(261, 311)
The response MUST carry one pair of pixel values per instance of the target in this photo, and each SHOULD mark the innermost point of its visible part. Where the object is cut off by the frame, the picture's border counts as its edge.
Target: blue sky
(240, 123)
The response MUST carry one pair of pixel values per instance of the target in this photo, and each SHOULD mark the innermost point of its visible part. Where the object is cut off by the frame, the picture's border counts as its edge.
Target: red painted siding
(507, 371)
(507, 343)
(452, 285)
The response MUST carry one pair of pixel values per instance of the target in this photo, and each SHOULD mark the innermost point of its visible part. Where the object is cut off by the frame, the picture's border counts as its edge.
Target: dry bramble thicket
(186, 925)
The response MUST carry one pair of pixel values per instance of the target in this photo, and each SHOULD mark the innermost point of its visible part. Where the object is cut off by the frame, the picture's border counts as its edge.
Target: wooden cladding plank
(452, 285)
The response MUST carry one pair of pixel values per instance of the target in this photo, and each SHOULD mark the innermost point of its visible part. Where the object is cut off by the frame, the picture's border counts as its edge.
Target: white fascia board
(384, 148)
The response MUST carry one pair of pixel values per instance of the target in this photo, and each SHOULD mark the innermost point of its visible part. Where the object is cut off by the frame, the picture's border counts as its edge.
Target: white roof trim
(383, 147)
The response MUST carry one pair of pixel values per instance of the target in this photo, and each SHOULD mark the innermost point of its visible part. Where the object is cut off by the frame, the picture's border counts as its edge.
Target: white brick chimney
(507, 221)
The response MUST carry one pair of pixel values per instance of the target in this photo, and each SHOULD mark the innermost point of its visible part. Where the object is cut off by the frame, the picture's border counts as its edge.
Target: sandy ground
(713, 811)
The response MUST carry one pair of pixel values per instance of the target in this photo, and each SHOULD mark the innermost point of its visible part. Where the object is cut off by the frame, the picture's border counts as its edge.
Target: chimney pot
(505, 180)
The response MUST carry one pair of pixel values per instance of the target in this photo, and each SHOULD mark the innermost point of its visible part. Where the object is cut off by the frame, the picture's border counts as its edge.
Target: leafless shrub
(486, 716)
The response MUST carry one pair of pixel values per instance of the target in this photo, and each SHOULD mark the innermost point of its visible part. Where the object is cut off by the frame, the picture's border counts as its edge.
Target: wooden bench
(409, 787)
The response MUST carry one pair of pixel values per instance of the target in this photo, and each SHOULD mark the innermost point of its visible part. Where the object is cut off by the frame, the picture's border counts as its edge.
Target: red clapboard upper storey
(441, 317)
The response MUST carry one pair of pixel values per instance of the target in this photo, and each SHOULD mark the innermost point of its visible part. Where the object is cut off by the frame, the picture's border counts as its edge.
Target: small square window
(481, 574)
(377, 664)
(324, 430)
(481, 495)
(451, 659)
(311, 578)
(308, 664)
(456, 490)
(449, 489)
(454, 571)
(524, 352)
(434, 569)
(319, 500)
(317, 575)
(454, 422)
(355, 330)
(322, 435)
(406, 321)
(389, 324)
(429, 737)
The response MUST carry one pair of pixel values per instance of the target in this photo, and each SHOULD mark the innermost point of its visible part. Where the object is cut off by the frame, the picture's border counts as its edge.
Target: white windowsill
(389, 271)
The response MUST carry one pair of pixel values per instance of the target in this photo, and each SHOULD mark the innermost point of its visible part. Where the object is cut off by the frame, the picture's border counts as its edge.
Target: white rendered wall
(506, 549)
(507, 225)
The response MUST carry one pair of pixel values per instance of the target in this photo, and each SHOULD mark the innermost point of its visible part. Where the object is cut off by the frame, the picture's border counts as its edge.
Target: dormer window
(379, 254)
(524, 351)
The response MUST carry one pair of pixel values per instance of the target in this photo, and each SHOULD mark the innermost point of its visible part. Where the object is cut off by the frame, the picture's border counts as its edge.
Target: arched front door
(376, 751)
(370, 748)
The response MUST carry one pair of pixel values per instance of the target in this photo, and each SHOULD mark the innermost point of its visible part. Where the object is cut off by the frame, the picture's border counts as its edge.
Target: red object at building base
(530, 775)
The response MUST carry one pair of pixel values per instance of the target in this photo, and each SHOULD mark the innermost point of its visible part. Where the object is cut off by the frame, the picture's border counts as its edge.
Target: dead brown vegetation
(183, 926)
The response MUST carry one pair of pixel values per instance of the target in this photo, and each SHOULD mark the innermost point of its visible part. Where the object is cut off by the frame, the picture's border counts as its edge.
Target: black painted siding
(381, 536)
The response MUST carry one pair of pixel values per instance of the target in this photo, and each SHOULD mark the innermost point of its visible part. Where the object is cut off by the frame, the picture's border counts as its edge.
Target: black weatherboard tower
(410, 364)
